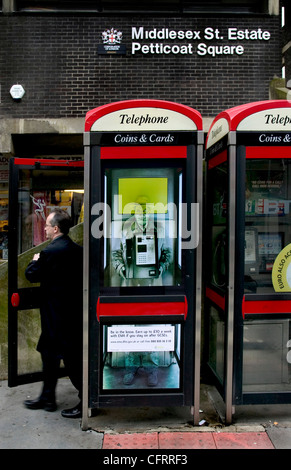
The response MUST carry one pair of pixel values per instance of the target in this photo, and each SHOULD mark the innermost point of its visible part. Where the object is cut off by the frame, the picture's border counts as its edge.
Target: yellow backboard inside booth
(152, 192)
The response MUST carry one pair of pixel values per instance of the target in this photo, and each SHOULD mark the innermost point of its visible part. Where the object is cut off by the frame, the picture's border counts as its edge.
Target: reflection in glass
(267, 220)
(38, 192)
(267, 234)
(28, 335)
(218, 213)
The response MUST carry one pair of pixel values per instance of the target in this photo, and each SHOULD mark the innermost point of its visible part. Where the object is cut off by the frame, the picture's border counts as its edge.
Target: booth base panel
(133, 400)
(166, 378)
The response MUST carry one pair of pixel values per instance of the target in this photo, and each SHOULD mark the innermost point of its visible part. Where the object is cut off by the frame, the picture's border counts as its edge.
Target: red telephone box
(247, 248)
(142, 248)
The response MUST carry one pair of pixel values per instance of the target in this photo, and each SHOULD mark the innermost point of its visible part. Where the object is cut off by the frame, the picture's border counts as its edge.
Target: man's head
(58, 223)
(142, 211)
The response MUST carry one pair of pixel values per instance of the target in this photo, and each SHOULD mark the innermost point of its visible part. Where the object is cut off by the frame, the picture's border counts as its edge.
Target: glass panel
(216, 272)
(28, 335)
(39, 191)
(266, 366)
(267, 222)
(216, 343)
(141, 357)
(142, 228)
(218, 184)
(266, 358)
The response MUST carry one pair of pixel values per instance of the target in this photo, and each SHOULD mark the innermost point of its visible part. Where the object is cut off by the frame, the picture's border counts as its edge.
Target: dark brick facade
(56, 60)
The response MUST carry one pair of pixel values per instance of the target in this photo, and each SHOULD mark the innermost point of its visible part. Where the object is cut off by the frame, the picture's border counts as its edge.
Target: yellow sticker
(281, 272)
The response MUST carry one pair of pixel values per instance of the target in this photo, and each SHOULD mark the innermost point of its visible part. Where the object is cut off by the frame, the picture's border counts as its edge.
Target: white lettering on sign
(219, 129)
(278, 119)
(144, 119)
(202, 49)
(238, 35)
(130, 338)
(139, 120)
(139, 34)
(143, 139)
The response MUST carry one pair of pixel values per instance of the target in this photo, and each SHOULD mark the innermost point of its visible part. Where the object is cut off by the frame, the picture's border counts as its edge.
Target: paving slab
(280, 436)
(21, 428)
(243, 440)
(186, 440)
(131, 441)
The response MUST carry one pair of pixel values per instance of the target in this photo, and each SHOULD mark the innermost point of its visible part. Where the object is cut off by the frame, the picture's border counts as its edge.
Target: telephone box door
(36, 186)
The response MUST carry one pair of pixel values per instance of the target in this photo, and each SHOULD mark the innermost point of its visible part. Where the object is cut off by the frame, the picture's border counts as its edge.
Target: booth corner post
(143, 242)
(248, 234)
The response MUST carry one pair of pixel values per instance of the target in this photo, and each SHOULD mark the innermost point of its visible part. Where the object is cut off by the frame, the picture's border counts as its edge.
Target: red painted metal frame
(143, 152)
(48, 162)
(268, 152)
(218, 159)
(138, 309)
(216, 298)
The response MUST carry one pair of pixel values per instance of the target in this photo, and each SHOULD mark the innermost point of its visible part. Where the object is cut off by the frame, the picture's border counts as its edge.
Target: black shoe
(41, 404)
(75, 412)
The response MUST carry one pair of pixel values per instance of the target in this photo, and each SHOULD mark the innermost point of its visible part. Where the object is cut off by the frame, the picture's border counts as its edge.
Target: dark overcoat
(59, 270)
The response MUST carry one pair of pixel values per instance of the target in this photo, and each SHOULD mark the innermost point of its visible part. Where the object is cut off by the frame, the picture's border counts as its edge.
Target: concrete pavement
(254, 427)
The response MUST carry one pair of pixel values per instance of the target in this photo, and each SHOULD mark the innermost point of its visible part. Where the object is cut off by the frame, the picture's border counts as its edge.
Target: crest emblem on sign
(111, 36)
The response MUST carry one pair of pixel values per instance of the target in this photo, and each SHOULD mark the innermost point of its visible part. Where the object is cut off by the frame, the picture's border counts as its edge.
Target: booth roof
(96, 113)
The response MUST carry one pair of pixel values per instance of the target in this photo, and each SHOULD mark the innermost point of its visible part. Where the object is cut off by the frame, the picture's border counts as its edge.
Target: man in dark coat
(59, 269)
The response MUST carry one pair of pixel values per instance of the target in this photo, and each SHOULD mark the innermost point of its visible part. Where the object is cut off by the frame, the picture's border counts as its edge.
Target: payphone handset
(219, 260)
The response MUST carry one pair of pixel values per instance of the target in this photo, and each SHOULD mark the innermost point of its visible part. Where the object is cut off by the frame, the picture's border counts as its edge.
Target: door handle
(15, 300)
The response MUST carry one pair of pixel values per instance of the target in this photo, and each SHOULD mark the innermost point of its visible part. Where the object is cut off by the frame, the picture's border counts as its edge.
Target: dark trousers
(51, 371)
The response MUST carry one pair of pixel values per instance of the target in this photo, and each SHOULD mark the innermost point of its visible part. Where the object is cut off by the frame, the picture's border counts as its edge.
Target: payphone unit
(248, 235)
(143, 180)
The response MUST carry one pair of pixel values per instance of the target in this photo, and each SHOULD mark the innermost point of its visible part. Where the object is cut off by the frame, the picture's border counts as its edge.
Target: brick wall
(56, 60)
